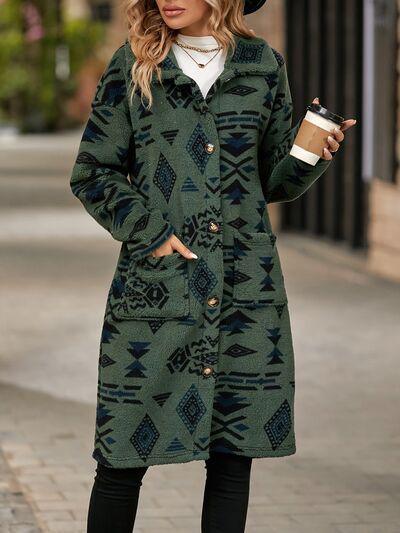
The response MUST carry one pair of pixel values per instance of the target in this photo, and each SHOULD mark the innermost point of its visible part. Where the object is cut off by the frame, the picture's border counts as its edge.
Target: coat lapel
(250, 56)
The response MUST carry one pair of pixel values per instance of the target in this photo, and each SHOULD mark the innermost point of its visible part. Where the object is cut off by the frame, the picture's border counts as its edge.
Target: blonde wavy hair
(150, 38)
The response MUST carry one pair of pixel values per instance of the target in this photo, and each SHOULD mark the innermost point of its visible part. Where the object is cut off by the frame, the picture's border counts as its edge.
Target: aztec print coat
(195, 355)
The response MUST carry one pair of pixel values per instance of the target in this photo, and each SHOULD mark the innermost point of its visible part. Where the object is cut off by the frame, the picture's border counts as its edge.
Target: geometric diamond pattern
(191, 408)
(164, 177)
(240, 277)
(195, 147)
(247, 53)
(203, 280)
(146, 358)
(236, 350)
(145, 437)
(278, 426)
(241, 90)
(156, 295)
(105, 360)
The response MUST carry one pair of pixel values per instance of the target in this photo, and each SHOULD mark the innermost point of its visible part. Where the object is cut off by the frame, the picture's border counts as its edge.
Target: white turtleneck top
(205, 76)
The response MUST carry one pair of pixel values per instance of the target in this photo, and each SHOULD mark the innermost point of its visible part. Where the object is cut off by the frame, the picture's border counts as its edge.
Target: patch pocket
(155, 287)
(257, 279)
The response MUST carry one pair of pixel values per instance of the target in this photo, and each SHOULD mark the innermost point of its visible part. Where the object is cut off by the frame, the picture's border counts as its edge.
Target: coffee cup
(312, 135)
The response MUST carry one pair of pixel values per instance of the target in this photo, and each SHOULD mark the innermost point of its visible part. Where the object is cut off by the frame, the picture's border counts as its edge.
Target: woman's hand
(336, 136)
(171, 245)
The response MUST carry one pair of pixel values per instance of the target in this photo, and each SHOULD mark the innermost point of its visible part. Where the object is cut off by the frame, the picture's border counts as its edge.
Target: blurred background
(340, 252)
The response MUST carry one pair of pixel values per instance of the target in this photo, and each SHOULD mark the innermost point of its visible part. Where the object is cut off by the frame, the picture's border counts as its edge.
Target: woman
(187, 142)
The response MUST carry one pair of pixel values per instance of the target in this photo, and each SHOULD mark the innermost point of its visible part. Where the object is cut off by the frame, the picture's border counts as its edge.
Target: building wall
(269, 23)
(383, 230)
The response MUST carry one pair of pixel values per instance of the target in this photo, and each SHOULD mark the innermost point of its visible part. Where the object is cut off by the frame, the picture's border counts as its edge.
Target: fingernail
(336, 130)
(354, 120)
(330, 138)
(193, 255)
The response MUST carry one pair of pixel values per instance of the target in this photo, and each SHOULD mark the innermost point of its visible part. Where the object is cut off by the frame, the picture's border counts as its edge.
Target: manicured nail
(354, 120)
(336, 130)
(193, 255)
(330, 138)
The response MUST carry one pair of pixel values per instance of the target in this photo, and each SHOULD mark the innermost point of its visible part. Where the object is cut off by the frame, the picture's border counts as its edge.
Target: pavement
(57, 264)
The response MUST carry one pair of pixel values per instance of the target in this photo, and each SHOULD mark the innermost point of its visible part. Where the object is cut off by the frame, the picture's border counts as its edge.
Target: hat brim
(252, 5)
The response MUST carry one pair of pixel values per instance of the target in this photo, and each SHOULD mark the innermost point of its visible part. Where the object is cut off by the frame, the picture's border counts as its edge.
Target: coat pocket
(257, 279)
(155, 287)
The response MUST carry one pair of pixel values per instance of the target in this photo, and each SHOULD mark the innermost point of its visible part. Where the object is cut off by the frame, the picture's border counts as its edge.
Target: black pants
(115, 495)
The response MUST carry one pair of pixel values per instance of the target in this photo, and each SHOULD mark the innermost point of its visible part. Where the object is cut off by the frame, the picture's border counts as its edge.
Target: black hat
(252, 5)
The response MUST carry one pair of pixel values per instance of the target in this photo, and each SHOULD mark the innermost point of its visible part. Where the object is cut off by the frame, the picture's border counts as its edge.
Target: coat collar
(250, 56)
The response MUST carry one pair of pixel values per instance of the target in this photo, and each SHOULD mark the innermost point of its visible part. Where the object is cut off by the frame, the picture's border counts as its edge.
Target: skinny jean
(115, 496)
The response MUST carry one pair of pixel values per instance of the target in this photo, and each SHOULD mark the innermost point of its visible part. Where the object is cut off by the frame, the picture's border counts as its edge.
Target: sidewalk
(15, 513)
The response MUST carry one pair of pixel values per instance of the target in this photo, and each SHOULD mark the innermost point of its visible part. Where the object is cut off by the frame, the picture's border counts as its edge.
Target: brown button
(209, 147)
(213, 301)
(213, 226)
(207, 371)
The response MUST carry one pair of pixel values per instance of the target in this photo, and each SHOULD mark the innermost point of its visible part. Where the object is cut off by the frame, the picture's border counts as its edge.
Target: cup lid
(324, 112)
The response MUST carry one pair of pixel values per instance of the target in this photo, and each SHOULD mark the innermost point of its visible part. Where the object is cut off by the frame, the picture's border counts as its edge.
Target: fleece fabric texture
(195, 355)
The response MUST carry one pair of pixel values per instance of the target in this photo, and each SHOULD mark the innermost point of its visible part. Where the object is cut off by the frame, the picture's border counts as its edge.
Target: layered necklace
(185, 47)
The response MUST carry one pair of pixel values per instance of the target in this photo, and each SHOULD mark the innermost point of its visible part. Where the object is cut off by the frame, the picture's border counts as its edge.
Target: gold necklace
(184, 45)
(200, 65)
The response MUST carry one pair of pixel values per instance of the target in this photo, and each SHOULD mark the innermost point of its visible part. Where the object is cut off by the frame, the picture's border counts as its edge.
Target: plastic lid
(323, 112)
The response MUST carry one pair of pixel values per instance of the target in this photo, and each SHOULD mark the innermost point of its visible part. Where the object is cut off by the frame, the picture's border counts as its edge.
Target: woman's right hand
(171, 245)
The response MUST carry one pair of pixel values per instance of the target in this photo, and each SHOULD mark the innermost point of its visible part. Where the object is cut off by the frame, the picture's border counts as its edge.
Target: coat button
(203, 108)
(213, 301)
(213, 226)
(207, 371)
(209, 147)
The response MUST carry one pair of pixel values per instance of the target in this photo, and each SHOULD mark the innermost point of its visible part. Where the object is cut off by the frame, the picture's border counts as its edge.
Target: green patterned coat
(195, 355)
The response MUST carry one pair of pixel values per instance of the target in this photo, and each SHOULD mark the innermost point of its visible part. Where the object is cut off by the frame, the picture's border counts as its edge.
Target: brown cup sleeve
(311, 138)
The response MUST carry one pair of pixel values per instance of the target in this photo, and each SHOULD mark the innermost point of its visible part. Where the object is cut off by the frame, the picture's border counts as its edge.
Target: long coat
(195, 355)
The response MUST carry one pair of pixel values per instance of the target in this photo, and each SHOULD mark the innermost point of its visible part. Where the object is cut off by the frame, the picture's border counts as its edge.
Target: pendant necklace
(198, 49)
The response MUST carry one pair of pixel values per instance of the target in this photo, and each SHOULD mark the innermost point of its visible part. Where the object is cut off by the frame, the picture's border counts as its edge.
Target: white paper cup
(313, 133)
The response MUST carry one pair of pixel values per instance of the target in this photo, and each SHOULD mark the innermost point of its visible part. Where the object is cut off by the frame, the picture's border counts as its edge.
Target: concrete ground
(56, 268)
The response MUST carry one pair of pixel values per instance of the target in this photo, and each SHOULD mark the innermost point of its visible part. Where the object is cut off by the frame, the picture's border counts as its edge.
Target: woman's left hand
(336, 137)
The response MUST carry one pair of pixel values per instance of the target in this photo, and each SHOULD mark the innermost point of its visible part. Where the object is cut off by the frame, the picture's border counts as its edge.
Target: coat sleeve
(284, 177)
(105, 157)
